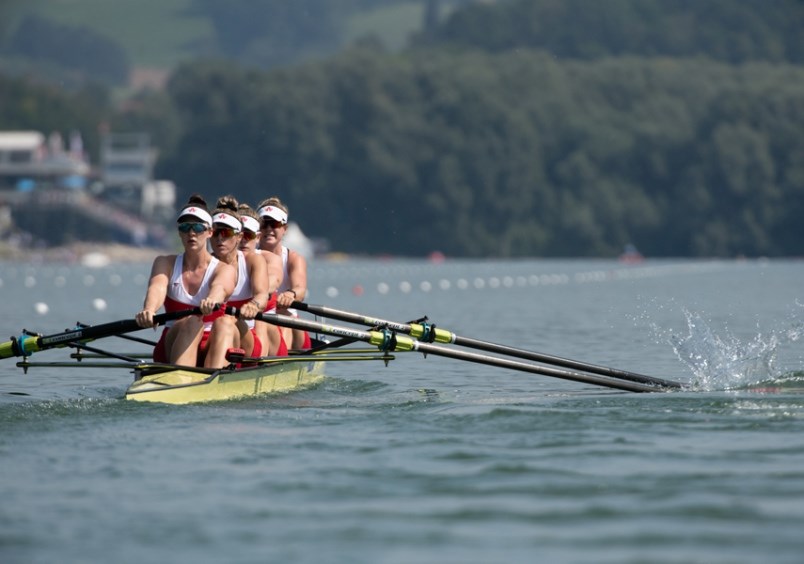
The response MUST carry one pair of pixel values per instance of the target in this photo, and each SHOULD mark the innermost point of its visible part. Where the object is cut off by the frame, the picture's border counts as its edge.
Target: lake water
(430, 459)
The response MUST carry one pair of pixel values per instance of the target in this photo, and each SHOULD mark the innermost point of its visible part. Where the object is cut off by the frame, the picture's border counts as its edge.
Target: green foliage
(76, 48)
(631, 123)
(590, 29)
(44, 107)
(480, 155)
(268, 33)
(154, 33)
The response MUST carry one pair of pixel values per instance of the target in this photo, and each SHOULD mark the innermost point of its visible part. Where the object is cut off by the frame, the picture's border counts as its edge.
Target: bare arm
(221, 286)
(258, 275)
(161, 270)
(297, 272)
(275, 271)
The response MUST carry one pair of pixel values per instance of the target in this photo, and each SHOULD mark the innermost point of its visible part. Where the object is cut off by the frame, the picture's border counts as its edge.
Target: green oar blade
(25, 345)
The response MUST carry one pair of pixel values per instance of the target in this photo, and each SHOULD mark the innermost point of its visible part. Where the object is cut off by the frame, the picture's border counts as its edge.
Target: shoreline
(89, 254)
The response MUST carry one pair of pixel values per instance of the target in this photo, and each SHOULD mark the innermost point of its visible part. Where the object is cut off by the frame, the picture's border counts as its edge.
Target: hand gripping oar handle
(430, 333)
(25, 344)
(389, 341)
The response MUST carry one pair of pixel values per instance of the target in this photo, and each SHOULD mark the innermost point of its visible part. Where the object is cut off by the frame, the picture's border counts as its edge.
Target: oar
(391, 342)
(26, 344)
(430, 333)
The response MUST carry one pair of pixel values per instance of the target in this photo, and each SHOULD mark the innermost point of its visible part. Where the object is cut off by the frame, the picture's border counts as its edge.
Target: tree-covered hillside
(510, 128)
(518, 155)
(726, 30)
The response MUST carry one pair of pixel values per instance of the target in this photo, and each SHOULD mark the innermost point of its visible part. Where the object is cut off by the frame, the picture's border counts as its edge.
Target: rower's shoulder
(296, 258)
(254, 259)
(164, 261)
(270, 257)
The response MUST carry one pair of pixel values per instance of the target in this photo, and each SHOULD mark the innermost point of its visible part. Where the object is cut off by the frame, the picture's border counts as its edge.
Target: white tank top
(177, 292)
(273, 309)
(286, 285)
(243, 291)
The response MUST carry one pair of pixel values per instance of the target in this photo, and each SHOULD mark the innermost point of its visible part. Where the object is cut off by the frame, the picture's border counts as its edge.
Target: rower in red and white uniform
(193, 278)
(251, 291)
(273, 226)
(270, 335)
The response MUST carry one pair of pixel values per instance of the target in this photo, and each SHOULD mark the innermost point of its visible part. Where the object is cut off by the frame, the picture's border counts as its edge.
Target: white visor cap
(197, 213)
(228, 220)
(250, 223)
(273, 212)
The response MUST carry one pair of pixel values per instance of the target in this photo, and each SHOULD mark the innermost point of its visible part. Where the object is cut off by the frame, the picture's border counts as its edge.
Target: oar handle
(25, 344)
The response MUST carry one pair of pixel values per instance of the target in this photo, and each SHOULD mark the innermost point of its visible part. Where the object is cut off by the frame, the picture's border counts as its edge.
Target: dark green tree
(75, 48)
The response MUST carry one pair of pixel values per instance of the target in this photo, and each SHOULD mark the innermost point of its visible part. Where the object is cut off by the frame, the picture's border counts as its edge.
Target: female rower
(269, 335)
(193, 278)
(273, 226)
(252, 287)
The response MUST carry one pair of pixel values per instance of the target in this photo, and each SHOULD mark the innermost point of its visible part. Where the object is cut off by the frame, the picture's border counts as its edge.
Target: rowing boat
(178, 385)
(175, 384)
(248, 377)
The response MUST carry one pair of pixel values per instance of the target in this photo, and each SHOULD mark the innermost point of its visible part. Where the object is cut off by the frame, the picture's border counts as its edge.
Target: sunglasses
(194, 227)
(249, 235)
(224, 232)
(265, 223)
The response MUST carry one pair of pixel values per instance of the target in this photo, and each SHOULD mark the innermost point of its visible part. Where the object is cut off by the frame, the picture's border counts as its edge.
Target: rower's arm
(258, 276)
(221, 286)
(297, 272)
(161, 271)
(274, 268)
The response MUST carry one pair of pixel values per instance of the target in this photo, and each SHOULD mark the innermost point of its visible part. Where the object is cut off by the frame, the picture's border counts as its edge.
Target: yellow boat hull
(186, 385)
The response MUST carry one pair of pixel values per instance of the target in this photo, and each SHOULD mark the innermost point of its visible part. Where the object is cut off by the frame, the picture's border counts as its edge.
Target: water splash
(724, 362)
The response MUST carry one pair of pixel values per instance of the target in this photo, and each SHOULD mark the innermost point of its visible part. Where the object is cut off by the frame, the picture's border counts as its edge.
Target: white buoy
(41, 308)
(99, 304)
(95, 260)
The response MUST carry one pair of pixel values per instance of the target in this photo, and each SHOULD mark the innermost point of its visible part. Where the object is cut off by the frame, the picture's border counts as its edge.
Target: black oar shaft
(444, 336)
(394, 343)
(565, 362)
(28, 344)
(351, 317)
